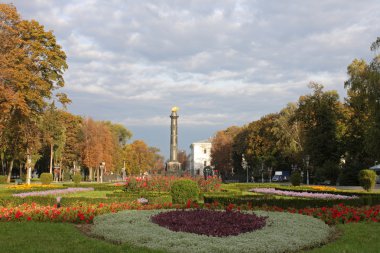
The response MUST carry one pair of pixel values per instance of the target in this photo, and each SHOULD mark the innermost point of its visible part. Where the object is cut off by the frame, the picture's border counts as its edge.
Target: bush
(77, 178)
(367, 179)
(183, 190)
(66, 176)
(3, 179)
(295, 179)
(46, 178)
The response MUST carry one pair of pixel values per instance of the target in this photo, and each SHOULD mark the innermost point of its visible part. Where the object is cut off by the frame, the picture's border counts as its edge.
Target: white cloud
(224, 62)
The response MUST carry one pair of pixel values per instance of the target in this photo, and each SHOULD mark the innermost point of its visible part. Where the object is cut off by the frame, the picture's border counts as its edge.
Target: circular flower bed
(209, 222)
(284, 232)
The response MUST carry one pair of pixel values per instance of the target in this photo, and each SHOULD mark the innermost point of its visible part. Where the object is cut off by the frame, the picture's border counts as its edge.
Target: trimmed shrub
(77, 178)
(3, 179)
(295, 179)
(183, 190)
(66, 176)
(367, 179)
(97, 186)
(256, 201)
(46, 178)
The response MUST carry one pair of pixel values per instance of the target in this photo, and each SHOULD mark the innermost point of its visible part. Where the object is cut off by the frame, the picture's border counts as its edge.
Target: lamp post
(123, 171)
(244, 164)
(262, 172)
(270, 174)
(307, 160)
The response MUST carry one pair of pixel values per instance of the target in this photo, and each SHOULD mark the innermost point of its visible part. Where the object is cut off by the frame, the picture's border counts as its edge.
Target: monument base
(173, 168)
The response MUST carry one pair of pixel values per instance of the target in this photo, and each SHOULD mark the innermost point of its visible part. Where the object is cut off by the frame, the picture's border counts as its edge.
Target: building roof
(209, 140)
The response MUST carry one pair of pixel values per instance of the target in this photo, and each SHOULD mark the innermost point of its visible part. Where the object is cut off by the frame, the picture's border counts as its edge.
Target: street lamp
(123, 171)
(270, 174)
(307, 160)
(244, 164)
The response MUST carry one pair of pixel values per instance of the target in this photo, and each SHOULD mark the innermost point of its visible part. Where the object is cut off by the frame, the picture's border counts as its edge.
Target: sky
(222, 63)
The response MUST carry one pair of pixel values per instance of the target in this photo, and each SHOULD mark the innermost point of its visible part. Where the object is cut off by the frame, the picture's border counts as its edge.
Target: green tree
(54, 134)
(320, 113)
(287, 131)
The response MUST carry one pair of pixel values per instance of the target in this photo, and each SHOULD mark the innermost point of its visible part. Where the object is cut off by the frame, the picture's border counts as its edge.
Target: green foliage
(66, 176)
(319, 114)
(295, 178)
(152, 197)
(3, 179)
(46, 178)
(259, 201)
(184, 190)
(132, 185)
(367, 179)
(98, 186)
(77, 178)
(10, 201)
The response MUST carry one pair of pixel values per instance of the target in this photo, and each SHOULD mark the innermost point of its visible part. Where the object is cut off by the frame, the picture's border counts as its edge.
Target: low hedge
(98, 186)
(140, 194)
(340, 192)
(293, 203)
(246, 186)
(66, 201)
(3, 179)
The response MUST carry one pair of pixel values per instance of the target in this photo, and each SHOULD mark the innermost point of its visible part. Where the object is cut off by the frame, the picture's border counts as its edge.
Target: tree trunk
(10, 171)
(21, 170)
(51, 158)
(28, 173)
(91, 174)
(60, 170)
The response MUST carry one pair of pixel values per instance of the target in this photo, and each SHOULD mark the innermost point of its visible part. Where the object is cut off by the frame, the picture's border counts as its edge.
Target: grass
(89, 194)
(31, 237)
(356, 238)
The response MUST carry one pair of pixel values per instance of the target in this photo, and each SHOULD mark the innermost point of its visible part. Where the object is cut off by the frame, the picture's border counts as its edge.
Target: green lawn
(89, 194)
(60, 237)
(31, 237)
(356, 238)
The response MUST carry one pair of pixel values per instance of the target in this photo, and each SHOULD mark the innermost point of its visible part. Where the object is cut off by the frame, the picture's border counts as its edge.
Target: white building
(200, 156)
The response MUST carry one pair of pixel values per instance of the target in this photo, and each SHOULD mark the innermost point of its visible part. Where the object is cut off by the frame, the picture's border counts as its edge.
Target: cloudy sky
(222, 63)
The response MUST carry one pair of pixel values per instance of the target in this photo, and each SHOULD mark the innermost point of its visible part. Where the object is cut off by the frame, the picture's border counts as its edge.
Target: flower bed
(209, 222)
(322, 188)
(286, 232)
(33, 186)
(73, 214)
(51, 192)
(339, 214)
(302, 194)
